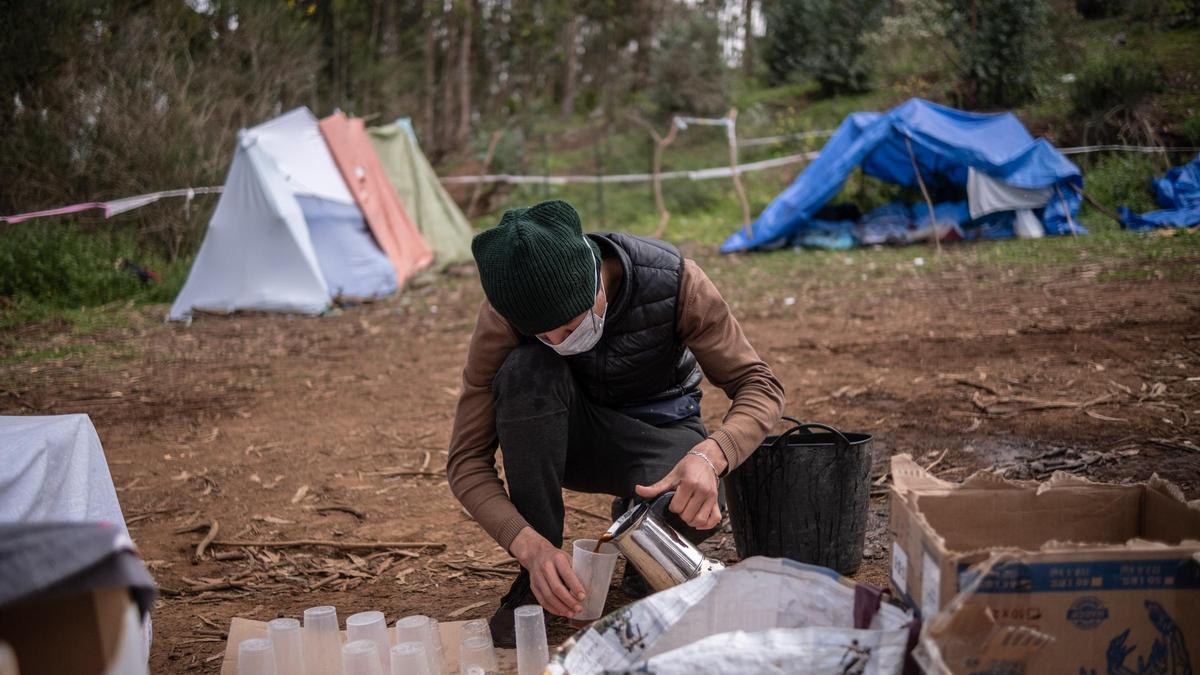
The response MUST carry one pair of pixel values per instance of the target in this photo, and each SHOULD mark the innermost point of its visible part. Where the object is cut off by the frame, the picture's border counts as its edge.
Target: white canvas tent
(286, 235)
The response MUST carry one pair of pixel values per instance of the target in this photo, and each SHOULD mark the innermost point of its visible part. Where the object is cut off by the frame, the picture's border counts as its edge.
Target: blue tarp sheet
(1178, 193)
(945, 142)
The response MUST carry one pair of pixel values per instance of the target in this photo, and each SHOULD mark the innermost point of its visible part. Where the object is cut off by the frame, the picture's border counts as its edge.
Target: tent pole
(1098, 206)
(937, 240)
(1066, 211)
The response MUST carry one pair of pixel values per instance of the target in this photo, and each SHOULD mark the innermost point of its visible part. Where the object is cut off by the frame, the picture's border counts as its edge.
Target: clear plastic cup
(322, 641)
(475, 654)
(532, 650)
(370, 626)
(420, 628)
(408, 658)
(480, 628)
(361, 657)
(255, 657)
(288, 645)
(595, 572)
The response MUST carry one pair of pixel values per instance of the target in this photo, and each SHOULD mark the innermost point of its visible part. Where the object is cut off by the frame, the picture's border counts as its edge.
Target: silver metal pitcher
(660, 553)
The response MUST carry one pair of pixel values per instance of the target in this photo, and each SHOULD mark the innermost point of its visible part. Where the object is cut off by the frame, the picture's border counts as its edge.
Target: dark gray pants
(552, 436)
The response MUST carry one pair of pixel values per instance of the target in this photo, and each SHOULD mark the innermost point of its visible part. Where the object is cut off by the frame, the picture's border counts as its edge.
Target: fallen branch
(344, 545)
(463, 610)
(585, 512)
(342, 508)
(977, 385)
(998, 408)
(208, 538)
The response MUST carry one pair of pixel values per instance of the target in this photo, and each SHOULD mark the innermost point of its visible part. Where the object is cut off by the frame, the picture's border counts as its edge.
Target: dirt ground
(335, 428)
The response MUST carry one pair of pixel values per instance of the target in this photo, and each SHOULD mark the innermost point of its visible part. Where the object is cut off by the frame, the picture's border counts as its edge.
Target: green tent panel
(439, 219)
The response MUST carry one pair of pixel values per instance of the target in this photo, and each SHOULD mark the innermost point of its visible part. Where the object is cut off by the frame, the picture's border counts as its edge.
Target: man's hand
(695, 485)
(550, 574)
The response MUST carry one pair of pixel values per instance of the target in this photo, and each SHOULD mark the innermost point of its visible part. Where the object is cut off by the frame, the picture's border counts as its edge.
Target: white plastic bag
(762, 615)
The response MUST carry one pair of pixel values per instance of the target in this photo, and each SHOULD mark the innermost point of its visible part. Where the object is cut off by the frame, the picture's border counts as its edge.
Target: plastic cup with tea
(595, 570)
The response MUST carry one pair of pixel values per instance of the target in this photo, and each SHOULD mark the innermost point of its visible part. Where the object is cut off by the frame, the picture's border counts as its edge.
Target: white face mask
(588, 332)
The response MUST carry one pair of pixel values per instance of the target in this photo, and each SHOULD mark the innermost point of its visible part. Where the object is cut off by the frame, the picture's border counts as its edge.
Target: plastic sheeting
(54, 470)
(945, 143)
(763, 615)
(1178, 193)
(352, 265)
(394, 230)
(441, 222)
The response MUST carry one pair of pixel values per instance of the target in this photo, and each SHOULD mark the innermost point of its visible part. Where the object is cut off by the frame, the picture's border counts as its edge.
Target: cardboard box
(244, 629)
(92, 633)
(1066, 576)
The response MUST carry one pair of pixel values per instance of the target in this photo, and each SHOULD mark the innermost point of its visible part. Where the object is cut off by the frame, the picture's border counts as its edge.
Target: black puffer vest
(639, 358)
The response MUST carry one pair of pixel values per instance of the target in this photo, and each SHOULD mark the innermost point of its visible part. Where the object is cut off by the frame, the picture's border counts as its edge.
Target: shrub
(688, 74)
(999, 45)
(1098, 9)
(821, 39)
(59, 265)
(1109, 92)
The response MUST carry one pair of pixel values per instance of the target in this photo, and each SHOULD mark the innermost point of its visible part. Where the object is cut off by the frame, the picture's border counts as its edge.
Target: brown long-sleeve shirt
(705, 325)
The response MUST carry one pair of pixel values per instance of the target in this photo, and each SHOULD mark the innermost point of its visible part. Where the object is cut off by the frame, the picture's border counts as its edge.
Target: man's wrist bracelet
(707, 461)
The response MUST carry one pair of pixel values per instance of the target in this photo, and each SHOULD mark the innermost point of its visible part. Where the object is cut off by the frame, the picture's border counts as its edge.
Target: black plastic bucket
(804, 495)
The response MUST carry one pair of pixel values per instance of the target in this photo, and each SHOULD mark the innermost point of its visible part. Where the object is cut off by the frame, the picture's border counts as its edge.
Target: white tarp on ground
(763, 615)
(987, 195)
(52, 468)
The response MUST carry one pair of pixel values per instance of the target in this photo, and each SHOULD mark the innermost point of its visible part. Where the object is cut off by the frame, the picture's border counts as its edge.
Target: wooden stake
(1066, 211)
(487, 163)
(937, 240)
(731, 134)
(660, 144)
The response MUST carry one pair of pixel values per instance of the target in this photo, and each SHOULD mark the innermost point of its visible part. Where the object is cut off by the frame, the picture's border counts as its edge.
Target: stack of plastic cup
(287, 644)
(532, 651)
(361, 657)
(408, 658)
(420, 628)
(255, 657)
(480, 628)
(475, 654)
(322, 641)
(595, 572)
(370, 626)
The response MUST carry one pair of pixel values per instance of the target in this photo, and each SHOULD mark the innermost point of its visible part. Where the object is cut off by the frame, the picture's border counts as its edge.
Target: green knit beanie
(536, 266)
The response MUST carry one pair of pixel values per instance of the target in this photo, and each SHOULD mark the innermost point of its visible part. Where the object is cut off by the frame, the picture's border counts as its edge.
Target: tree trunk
(464, 75)
(428, 125)
(445, 112)
(748, 39)
(570, 57)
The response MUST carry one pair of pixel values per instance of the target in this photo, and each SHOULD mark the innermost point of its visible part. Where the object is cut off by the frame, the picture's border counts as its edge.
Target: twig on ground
(463, 610)
(585, 512)
(208, 538)
(342, 545)
(343, 508)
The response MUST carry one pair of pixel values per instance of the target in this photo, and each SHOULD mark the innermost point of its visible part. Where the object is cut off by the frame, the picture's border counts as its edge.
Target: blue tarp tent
(945, 142)
(1178, 193)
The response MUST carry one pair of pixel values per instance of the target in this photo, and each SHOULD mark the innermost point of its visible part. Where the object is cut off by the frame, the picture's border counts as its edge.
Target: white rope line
(113, 207)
